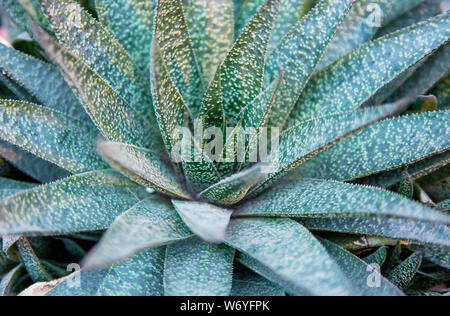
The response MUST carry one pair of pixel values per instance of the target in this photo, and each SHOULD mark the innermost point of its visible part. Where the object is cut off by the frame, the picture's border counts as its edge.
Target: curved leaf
(402, 275)
(248, 283)
(378, 257)
(196, 268)
(150, 223)
(205, 220)
(50, 135)
(31, 262)
(8, 280)
(84, 202)
(291, 252)
(10, 187)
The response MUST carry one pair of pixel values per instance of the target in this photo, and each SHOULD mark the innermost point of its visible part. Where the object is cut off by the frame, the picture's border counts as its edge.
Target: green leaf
(27, 125)
(211, 29)
(248, 283)
(8, 280)
(87, 40)
(233, 189)
(402, 275)
(360, 274)
(239, 79)
(444, 205)
(244, 12)
(43, 80)
(390, 144)
(146, 167)
(302, 142)
(442, 92)
(325, 199)
(16, 12)
(89, 283)
(131, 23)
(291, 11)
(142, 275)
(393, 228)
(84, 202)
(117, 119)
(196, 268)
(31, 262)
(33, 166)
(438, 255)
(299, 53)
(290, 252)
(172, 36)
(405, 187)
(9, 187)
(378, 257)
(150, 223)
(400, 7)
(355, 78)
(358, 27)
(207, 221)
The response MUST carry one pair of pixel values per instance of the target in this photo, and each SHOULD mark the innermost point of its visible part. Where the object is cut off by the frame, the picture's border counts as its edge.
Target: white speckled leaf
(320, 198)
(207, 221)
(31, 262)
(211, 29)
(196, 268)
(172, 36)
(359, 273)
(353, 79)
(10, 187)
(402, 275)
(233, 189)
(150, 223)
(51, 135)
(389, 144)
(85, 202)
(299, 53)
(291, 252)
(248, 283)
(131, 23)
(302, 142)
(8, 280)
(148, 168)
(378, 257)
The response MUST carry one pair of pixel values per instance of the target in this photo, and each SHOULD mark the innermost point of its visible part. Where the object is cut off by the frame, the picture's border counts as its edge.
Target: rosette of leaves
(92, 111)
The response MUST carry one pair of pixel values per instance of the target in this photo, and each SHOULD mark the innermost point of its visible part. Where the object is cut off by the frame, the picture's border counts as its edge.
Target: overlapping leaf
(196, 268)
(402, 275)
(248, 283)
(31, 262)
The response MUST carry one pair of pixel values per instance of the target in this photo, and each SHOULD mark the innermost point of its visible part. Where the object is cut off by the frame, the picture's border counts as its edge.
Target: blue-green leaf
(16, 12)
(248, 283)
(352, 80)
(205, 220)
(10, 187)
(131, 23)
(402, 275)
(196, 268)
(50, 135)
(84, 202)
(31, 262)
(299, 53)
(148, 224)
(290, 252)
(389, 144)
(8, 280)
(378, 257)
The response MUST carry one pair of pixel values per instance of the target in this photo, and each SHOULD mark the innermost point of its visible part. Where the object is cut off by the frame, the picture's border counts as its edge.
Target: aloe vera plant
(225, 147)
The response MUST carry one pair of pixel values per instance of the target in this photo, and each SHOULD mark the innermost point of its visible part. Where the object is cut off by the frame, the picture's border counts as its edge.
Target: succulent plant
(225, 147)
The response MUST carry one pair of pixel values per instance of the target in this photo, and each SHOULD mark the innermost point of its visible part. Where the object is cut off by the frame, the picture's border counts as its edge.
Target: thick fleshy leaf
(117, 119)
(239, 79)
(84, 202)
(146, 167)
(422, 11)
(172, 36)
(8, 280)
(205, 220)
(233, 189)
(393, 228)
(87, 40)
(16, 12)
(378, 257)
(444, 205)
(299, 53)
(80, 283)
(390, 144)
(290, 252)
(244, 11)
(211, 29)
(141, 275)
(442, 92)
(248, 283)
(151, 223)
(10, 187)
(43, 80)
(319, 198)
(31, 165)
(51, 135)
(402, 275)
(358, 27)
(360, 274)
(196, 268)
(302, 142)
(131, 23)
(399, 7)
(10, 89)
(31, 262)
(352, 80)
(291, 11)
